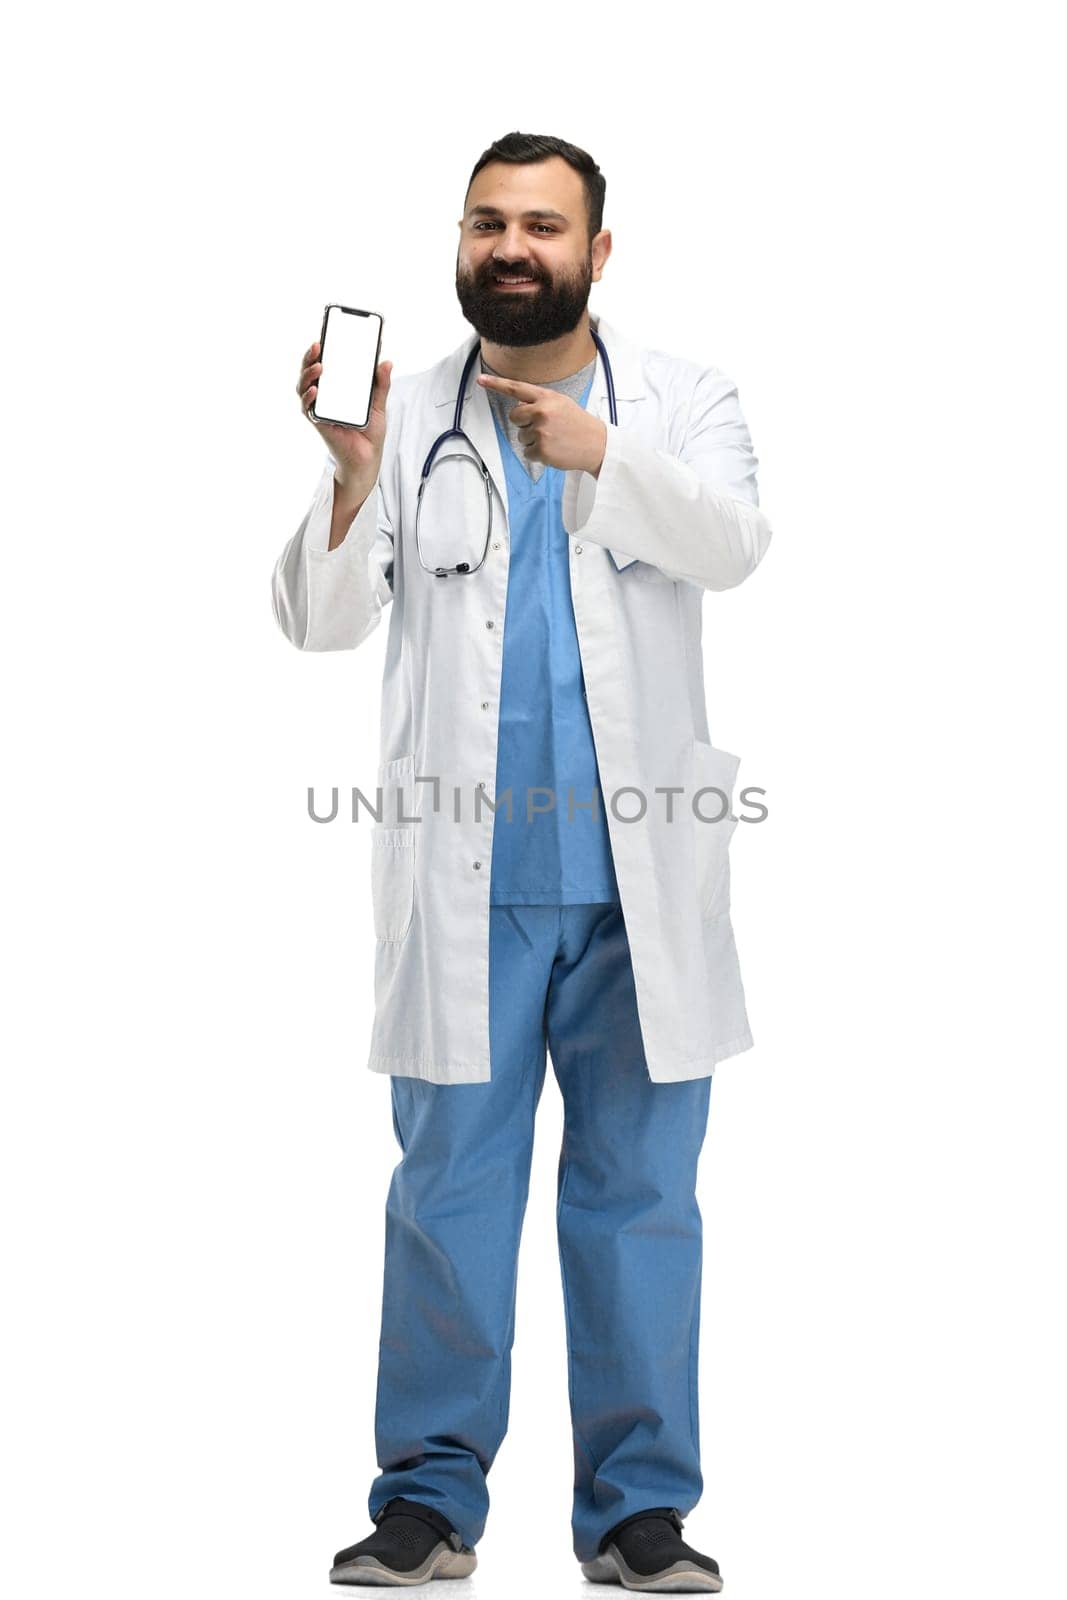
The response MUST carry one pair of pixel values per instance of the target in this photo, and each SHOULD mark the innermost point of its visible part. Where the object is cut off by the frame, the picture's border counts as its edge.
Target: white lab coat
(673, 512)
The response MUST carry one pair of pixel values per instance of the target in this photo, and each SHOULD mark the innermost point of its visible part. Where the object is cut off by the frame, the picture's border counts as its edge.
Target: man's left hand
(553, 428)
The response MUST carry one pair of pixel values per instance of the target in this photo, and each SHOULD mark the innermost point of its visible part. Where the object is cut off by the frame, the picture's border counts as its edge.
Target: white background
(851, 210)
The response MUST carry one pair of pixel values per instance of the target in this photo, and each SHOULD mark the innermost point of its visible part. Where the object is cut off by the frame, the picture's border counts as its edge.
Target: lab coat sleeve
(694, 515)
(333, 599)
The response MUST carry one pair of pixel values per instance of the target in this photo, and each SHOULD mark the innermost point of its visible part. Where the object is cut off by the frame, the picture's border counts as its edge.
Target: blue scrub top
(545, 736)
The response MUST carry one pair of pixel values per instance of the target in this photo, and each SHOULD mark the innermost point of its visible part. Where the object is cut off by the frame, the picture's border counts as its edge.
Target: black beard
(528, 317)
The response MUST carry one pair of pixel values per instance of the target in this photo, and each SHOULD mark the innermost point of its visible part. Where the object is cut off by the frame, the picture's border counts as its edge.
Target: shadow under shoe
(411, 1543)
(647, 1552)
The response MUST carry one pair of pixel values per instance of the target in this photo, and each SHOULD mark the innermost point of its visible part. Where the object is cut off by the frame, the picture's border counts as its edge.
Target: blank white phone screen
(349, 347)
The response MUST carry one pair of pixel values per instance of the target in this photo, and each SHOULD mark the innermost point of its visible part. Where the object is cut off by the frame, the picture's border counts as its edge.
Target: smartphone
(350, 343)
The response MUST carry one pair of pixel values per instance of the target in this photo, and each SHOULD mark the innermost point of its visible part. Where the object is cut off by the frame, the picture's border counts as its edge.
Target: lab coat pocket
(392, 877)
(396, 780)
(714, 772)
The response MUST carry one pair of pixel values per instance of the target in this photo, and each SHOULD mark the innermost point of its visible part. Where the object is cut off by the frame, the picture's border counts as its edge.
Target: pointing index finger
(515, 386)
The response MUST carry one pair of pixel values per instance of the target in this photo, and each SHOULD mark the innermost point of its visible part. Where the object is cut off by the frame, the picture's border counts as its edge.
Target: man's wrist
(350, 493)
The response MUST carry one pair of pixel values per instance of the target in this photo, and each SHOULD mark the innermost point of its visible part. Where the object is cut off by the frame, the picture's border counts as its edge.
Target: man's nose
(511, 246)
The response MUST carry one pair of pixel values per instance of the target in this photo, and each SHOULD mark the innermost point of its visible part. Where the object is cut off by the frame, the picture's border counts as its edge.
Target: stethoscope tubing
(456, 431)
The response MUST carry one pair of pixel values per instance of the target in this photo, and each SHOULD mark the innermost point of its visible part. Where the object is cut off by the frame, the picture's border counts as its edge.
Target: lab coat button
(485, 705)
(476, 865)
(577, 549)
(490, 624)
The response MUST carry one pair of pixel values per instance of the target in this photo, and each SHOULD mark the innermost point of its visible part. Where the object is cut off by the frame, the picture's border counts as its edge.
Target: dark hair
(521, 148)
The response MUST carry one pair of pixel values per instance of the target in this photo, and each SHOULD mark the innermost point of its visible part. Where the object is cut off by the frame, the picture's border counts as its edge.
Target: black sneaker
(411, 1543)
(647, 1551)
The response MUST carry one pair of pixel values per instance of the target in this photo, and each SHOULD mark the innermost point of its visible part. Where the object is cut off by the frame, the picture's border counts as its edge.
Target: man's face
(527, 222)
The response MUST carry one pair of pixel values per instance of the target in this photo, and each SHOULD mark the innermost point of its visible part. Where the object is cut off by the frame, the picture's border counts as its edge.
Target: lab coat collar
(478, 425)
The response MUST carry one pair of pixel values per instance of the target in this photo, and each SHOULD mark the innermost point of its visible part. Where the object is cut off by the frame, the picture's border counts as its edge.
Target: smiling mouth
(515, 283)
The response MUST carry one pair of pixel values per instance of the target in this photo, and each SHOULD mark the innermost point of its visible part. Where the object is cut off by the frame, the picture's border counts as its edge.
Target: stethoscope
(456, 431)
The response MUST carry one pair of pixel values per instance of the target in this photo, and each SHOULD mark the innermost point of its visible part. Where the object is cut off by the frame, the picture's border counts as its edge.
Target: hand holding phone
(343, 390)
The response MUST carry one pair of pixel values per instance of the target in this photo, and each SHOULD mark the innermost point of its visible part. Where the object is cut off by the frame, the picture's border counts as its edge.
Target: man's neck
(543, 363)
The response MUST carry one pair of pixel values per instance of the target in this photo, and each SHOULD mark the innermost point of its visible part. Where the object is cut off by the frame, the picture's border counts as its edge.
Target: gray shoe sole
(682, 1577)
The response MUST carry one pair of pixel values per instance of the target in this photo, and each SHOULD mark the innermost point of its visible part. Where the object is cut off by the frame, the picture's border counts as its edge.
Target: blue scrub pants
(629, 1230)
